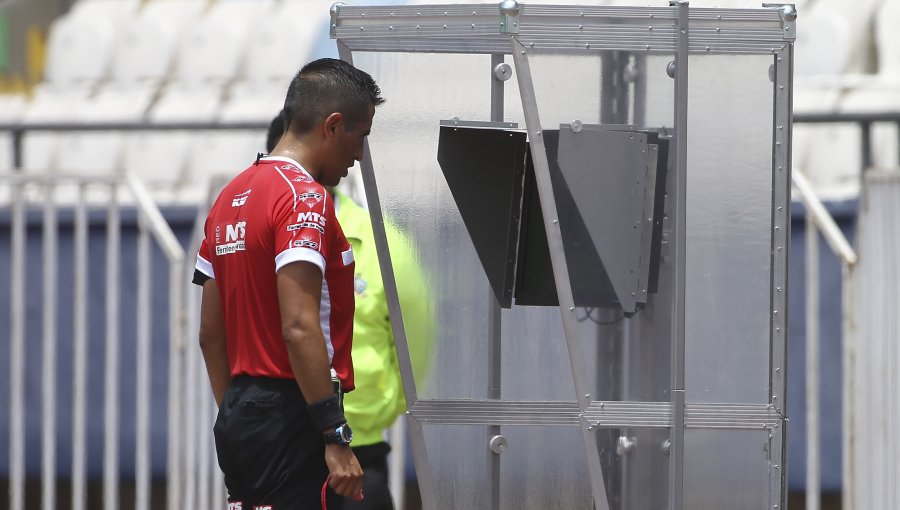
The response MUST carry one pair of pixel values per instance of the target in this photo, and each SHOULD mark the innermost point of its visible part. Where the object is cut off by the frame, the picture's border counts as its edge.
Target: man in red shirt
(277, 308)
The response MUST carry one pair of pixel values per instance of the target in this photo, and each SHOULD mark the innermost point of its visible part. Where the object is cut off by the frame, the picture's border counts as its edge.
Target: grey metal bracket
(456, 122)
(509, 12)
(788, 13)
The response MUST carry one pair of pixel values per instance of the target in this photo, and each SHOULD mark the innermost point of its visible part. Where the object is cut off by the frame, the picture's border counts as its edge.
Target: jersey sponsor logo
(310, 198)
(234, 238)
(236, 505)
(306, 224)
(306, 241)
(311, 216)
(240, 199)
(263, 507)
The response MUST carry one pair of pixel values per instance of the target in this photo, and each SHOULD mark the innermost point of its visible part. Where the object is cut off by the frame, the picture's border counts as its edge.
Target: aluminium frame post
(416, 433)
(495, 316)
(560, 268)
(676, 456)
(781, 236)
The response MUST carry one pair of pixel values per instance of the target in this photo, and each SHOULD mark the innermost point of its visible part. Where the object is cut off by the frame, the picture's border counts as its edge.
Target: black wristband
(326, 413)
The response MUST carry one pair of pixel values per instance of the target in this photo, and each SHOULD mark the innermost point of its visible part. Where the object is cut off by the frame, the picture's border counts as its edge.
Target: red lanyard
(358, 497)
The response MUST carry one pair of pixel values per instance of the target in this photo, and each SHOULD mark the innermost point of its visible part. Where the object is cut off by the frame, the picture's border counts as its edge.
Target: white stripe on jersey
(325, 318)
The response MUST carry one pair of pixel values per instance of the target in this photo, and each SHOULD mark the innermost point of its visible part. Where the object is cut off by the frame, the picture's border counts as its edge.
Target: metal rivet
(531, 45)
(445, 27)
(571, 308)
(601, 404)
(418, 27)
(781, 168)
(587, 396)
(777, 466)
(777, 370)
(650, 27)
(778, 330)
(779, 59)
(778, 289)
(780, 208)
(555, 221)
(707, 48)
(718, 29)
(523, 52)
(590, 427)
(580, 27)
(538, 133)
(473, 25)
(587, 46)
(362, 28)
(780, 127)
(390, 28)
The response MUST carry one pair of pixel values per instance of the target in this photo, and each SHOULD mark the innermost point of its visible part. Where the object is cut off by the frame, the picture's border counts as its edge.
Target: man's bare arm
(299, 294)
(212, 340)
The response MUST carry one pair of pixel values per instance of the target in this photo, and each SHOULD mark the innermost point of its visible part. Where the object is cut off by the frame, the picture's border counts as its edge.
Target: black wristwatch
(341, 435)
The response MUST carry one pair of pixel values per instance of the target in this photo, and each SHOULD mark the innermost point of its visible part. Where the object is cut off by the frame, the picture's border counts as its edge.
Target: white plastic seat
(49, 105)
(100, 152)
(887, 19)
(159, 158)
(823, 46)
(276, 54)
(213, 51)
(79, 51)
(815, 152)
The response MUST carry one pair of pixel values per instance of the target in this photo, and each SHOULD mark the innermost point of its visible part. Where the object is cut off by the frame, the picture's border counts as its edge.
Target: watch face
(345, 434)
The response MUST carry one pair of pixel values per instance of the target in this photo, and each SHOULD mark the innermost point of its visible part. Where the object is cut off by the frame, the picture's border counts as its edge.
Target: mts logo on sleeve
(234, 238)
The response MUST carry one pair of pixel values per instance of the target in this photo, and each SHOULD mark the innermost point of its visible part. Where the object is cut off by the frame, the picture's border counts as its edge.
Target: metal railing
(819, 221)
(150, 225)
(865, 122)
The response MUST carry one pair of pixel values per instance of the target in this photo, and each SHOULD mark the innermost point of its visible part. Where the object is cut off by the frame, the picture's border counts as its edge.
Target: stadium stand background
(98, 61)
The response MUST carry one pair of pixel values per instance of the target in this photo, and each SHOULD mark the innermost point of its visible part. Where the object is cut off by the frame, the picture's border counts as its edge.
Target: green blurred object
(4, 43)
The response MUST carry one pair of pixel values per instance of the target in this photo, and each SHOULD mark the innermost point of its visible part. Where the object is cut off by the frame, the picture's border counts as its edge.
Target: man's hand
(346, 473)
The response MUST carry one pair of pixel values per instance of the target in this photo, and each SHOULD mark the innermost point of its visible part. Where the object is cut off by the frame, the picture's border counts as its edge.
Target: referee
(276, 319)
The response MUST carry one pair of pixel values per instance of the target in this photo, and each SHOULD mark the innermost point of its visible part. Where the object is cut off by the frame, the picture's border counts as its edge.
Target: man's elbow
(209, 339)
(295, 333)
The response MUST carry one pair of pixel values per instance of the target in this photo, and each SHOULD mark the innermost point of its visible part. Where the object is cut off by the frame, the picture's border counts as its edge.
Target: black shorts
(271, 454)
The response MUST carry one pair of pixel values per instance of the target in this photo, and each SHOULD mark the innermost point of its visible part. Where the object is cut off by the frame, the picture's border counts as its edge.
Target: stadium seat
(213, 51)
(146, 51)
(159, 158)
(887, 38)
(809, 141)
(277, 53)
(49, 104)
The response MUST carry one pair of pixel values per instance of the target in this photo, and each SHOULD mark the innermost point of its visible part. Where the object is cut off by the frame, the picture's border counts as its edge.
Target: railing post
(812, 365)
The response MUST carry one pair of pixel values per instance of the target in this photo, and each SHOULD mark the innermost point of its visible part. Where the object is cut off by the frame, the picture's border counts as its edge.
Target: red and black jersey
(271, 215)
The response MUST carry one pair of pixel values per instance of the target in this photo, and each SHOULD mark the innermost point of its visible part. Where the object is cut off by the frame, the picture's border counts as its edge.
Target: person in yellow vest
(378, 398)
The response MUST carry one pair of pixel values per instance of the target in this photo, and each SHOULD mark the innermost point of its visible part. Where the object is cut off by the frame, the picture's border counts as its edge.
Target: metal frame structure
(521, 31)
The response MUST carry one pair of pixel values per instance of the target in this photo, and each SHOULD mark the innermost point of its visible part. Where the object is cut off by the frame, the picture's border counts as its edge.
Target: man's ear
(332, 122)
